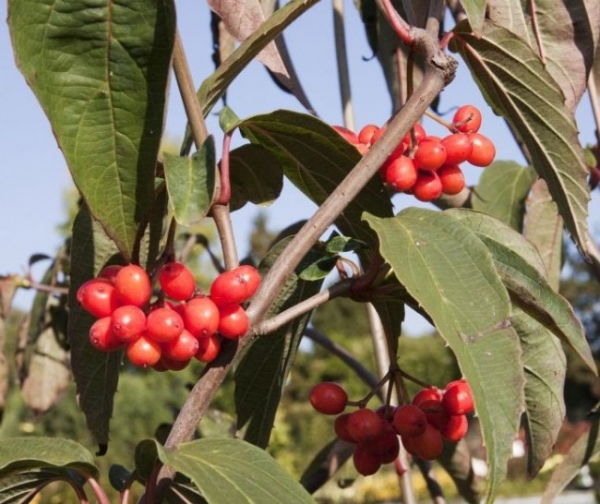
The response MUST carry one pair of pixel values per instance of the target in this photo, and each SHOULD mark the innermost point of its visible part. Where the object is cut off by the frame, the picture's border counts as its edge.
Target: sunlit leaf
(20, 454)
(516, 83)
(441, 263)
(231, 470)
(191, 183)
(100, 72)
(502, 190)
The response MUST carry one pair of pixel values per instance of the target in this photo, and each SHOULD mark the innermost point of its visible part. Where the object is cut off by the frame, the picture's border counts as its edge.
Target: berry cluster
(433, 415)
(168, 333)
(429, 166)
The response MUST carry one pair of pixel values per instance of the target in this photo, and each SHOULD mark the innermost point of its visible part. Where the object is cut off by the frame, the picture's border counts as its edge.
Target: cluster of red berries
(433, 415)
(180, 325)
(429, 166)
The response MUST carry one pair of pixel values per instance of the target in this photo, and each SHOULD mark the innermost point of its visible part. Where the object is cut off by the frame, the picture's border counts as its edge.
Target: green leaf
(325, 464)
(543, 227)
(502, 190)
(545, 369)
(255, 176)
(475, 10)
(441, 263)
(516, 83)
(20, 488)
(586, 448)
(522, 272)
(96, 373)
(456, 459)
(231, 470)
(191, 183)
(20, 454)
(100, 73)
(214, 86)
(263, 372)
(339, 244)
(315, 158)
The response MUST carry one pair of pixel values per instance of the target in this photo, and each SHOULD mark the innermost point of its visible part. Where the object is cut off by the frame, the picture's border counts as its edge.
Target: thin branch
(309, 304)
(348, 358)
(404, 31)
(222, 218)
(192, 107)
(342, 64)
(52, 289)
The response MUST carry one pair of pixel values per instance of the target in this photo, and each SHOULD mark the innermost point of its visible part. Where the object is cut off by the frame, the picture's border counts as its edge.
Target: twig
(192, 107)
(270, 325)
(222, 218)
(225, 194)
(404, 31)
(352, 362)
(52, 289)
(98, 490)
(342, 64)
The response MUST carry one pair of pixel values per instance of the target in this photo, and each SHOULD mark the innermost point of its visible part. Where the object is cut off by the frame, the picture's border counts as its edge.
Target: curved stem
(225, 194)
(342, 64)
(98, 490)
(222, 218)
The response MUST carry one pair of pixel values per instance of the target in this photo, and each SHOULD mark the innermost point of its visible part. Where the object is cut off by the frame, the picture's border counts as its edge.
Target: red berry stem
(434, 117)
(376, 390)
(225, 194)
(412, 378)
(404, 31)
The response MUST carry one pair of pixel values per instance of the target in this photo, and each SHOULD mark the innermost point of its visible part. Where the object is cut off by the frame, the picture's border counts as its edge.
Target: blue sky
(35, 175)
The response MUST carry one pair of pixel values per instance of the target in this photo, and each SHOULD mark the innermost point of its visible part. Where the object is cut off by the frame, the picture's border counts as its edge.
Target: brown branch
(342, 64)
(222, 218)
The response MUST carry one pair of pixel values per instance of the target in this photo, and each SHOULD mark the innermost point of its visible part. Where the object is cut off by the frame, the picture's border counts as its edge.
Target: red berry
(143, 352)
(101, 336)
(427, 446)
(110, 272)
(166, 364)
(365, 135)
(208, 348)
(452, 179)
(456, 429)
(164, 325)
(364, 425)
(458, 148)
(419, 133)
(201, 316)
(98, 297)
(391, 453)
(347, 134)
(483, 152)
(235, 286)
(386, 412)
(366, 462)
(128, 322)
(458, 398)
(409, 420)
(233, 322)
(467, 119)
(340, 427)
(427, 394)
(400, 174)
(328, 398)
(133, 285)
(182, 348)
(177, 281)
(386, 438)
(430, 154)
(428, 186)
(435, 413)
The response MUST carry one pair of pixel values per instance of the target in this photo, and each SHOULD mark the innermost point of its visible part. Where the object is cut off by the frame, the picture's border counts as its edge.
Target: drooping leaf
(456, 459)
(441, 263)
(563, 34)
(242, 19)
(48, 373)
(100, 73)
(516, 83)
(255, 175)
(543, 227)
(215, 85)
(522, 272)
(20, 454)
(263, 372)
(502, 190)
(191, 183)
(316, 159)
(96, 373)
(545, 369)
(586, 448)
(231, 470)
(325, 464)
(22, 487)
